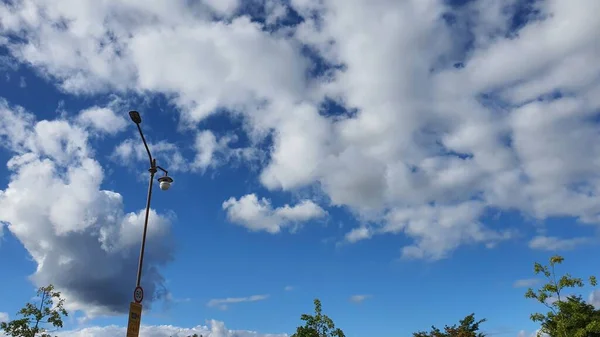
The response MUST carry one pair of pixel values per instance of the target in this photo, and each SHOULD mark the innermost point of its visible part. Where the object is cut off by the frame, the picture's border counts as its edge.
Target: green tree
(36, 317)
(569, 315)
(318, 325)
(468, 327)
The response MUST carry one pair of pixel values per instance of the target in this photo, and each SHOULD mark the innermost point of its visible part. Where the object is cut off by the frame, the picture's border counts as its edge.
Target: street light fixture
(165, 182)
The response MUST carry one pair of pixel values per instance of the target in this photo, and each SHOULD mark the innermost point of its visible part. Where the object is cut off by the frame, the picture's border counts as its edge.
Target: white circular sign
(138, 294)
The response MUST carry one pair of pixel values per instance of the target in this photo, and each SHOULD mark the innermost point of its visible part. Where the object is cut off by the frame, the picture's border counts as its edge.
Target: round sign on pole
(138, 294)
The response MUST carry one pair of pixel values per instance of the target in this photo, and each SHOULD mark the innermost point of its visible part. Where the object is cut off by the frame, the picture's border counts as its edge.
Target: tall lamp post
(135, 308)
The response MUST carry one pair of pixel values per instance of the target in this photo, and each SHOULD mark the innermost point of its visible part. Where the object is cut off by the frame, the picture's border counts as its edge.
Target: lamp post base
(135, 319)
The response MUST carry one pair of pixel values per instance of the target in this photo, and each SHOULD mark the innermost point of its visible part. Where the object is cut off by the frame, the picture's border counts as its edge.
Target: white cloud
(288, 288)
(526, 283)
(258, 214)
(275, 10)
(14, 127)
(223, 303)
(206, 144)
(4, 317)
(131, 151)
(359, 298)
(425, 155)
(224, 7)
(358, 234)
(210, 152)
(103, 120)
(79, 235)
(552, 243)
(408, 117)
(595, 299)
(214, 329)
(537, 333)
(441, 229)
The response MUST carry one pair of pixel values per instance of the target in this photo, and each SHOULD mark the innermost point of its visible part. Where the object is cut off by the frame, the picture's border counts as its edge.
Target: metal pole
(152, 161)
(152, 171)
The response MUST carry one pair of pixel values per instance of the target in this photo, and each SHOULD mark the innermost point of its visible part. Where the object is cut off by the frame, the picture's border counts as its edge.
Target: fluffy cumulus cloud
(103, 120)
(258, 214)
(441, 113)
(79, 234)
(213, 329)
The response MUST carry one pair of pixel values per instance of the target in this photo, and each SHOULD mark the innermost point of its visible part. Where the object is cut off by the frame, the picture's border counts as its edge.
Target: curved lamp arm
(152, 163)
(137, 119)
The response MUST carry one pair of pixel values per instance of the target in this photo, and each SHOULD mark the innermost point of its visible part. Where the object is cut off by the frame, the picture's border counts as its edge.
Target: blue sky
(334, 150)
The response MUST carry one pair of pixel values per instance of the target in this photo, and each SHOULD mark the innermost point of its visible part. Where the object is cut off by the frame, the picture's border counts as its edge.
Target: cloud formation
(551, 243)
(223, 303)
(103, 120)
(78, 234)
(595, 299)
(440, 116)
(214, 329)
(359, 298)
(258, 214)
(526, 283)
(209, 151)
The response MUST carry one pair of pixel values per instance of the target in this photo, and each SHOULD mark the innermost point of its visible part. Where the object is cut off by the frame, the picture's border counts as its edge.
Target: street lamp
(135, 309)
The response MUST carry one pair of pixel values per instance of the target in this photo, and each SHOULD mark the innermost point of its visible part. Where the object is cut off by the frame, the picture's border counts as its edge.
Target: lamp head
(165, 182)
(135, 116)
